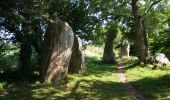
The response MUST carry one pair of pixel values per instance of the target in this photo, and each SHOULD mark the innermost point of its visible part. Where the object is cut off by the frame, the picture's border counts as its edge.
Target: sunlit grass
(94, 51)
(154, 84)
(97, 81)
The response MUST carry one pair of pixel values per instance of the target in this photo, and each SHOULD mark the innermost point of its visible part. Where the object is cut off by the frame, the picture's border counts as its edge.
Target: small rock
(77, 57)
(161, 58)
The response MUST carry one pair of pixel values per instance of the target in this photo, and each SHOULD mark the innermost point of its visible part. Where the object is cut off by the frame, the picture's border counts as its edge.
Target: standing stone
(125, 48)
(77, 57)
(161, 58)
(108, 54)
(56, 51)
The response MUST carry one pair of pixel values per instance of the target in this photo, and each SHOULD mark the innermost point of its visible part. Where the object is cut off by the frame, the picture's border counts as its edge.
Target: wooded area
(69, 46)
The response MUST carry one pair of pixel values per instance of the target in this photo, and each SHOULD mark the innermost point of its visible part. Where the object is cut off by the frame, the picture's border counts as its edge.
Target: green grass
(97, 81)
(154, 84)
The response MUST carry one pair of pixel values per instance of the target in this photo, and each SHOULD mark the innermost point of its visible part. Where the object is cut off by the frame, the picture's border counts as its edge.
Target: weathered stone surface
(161, 58)
(108, 54)
(124, 48)
(56, 51)
(77, 57)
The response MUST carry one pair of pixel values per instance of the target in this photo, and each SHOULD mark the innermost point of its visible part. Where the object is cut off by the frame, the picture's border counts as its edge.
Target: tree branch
(154, 3)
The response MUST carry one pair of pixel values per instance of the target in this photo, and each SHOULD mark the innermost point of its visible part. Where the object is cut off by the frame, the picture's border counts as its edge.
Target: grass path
(133, 93)
(97, 81)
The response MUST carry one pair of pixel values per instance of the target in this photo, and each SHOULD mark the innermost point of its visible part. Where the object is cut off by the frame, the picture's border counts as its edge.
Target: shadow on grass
(154, 88)
(16, 91)
(131, 64)
(95, 66)
(95, 89)
(14, 87)
(82, 89)
(16, 76)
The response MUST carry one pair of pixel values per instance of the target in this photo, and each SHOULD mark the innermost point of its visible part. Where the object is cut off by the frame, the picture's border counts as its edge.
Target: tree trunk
(56, 51)
(25, 51)
(141, 36)
(25, 58)
(76, 62)
(108, 55)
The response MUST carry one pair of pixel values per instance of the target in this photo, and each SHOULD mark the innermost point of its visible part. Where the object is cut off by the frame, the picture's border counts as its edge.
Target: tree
(110, 15)
(77, 13)
(157, 21)
(25, 20)
(140, 29)
(141, 36)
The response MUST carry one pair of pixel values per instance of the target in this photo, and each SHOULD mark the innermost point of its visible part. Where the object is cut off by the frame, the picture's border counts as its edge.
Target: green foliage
(9, 65)
(76, 13)
(157, 25)
(24, 20)
(91, 19)
(2, 47)
(8, 61)
(98, 37)
(27, 20)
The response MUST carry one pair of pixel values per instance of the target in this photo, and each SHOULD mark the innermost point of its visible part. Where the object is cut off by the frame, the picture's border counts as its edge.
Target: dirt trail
(134, 94)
